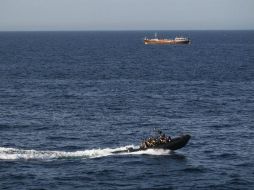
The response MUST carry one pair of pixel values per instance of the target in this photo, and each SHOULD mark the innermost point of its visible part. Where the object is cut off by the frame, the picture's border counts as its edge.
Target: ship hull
(166, 42)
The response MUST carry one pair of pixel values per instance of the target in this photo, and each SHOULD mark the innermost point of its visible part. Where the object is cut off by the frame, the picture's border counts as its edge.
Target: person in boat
(148, 143)
(163, 139)
(155, 141)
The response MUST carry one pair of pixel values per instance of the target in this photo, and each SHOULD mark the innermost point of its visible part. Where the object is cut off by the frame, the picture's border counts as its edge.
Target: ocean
(69, 99)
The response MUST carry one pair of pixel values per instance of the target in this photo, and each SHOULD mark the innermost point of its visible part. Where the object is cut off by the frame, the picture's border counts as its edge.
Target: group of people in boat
(155, 141)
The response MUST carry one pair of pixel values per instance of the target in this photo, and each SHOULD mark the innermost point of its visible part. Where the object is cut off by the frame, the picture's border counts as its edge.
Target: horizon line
(124, 30)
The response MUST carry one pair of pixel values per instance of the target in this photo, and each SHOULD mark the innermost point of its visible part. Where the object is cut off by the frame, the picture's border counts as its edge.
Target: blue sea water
(69, 99)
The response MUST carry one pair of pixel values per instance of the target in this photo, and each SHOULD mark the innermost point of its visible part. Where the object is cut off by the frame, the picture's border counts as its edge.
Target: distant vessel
(172, 144)
(177, 40)
(160, 142)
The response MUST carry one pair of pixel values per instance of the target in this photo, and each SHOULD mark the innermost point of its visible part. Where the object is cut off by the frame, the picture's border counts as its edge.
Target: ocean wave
(21, 154)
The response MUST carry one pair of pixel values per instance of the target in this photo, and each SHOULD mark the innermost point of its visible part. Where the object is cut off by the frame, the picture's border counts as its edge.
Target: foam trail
(16, 154)
(156, 152)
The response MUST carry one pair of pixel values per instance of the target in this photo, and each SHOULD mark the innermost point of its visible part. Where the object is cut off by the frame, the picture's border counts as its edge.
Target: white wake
(16, 154)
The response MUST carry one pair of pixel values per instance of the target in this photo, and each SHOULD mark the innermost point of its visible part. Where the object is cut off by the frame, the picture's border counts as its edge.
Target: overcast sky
(126, 14)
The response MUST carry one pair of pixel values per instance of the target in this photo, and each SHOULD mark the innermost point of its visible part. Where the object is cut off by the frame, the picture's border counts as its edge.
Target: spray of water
(16, 154)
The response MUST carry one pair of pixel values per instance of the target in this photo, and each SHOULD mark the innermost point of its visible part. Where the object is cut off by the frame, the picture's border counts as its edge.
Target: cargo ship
(177, 40)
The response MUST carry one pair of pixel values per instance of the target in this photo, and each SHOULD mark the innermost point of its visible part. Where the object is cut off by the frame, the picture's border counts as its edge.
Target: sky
(46, 15)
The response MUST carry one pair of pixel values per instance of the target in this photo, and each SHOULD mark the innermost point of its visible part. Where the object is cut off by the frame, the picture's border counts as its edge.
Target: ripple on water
(195, 169)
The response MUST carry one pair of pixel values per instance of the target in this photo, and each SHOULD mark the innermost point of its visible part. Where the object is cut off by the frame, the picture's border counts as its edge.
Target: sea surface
(69, 99)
